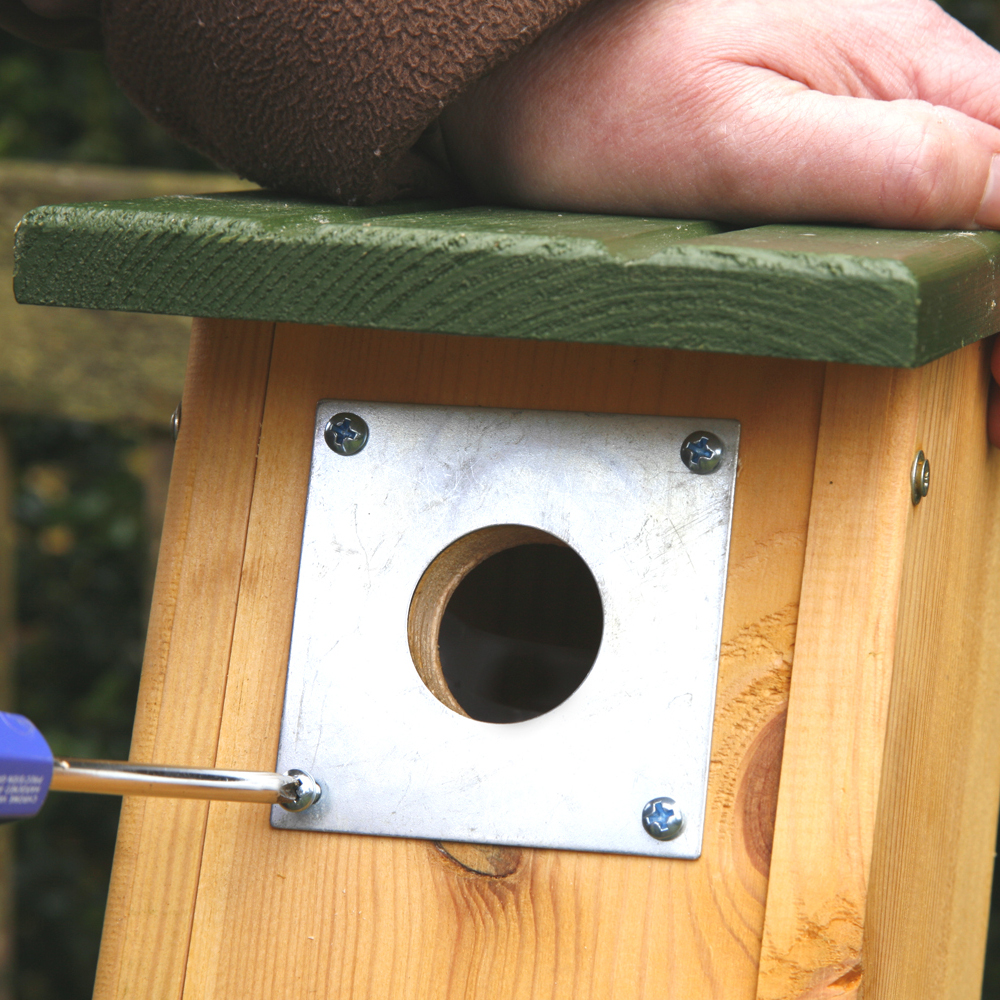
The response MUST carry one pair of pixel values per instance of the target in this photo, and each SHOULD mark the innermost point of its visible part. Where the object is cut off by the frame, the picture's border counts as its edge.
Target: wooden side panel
(294, 914)
(154, 882)
(839, 697)
(929, 893)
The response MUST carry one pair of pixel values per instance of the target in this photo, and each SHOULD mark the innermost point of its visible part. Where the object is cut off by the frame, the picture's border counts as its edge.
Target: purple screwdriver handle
(25, 767)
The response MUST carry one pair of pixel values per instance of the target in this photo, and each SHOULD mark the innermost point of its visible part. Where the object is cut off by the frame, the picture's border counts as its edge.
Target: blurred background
(85, 450)
(85, 404)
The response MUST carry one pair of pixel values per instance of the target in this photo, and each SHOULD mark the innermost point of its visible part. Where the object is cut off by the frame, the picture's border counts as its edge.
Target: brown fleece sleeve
(324, 98)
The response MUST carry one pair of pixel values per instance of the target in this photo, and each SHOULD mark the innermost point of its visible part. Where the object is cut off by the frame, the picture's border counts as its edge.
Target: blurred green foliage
(65, 106)
(82, 554)
(81, 599)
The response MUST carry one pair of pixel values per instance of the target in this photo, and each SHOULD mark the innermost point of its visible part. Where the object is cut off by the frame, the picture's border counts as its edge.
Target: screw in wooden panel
(920, 478)
(175, 423)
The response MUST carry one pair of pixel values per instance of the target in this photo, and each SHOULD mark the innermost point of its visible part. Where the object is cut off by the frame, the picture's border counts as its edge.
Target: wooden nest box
(845, 842)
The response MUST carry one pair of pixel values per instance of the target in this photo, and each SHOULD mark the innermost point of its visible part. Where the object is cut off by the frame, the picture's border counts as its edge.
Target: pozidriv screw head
(702, 452)
(920, 478)
(346, 433)
(305, 789)
(662, 819)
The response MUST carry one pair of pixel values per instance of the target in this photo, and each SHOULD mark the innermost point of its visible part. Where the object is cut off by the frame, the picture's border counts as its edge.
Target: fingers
(753, 147)
(953, 67)
(884, 49)
(607, 115)
(807, 155)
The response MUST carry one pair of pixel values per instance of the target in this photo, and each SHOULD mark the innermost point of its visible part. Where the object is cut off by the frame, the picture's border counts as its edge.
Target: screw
(661, 818)
(702, 452)
(303, 791)
(920, 478)
(175, 423)
(346, 433)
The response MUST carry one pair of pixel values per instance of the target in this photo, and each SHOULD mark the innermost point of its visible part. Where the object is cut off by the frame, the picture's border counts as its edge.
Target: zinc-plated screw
(662, 819)
(175, 423)
(702, 452)
(920, 478)
(346, 433)
(305, 788)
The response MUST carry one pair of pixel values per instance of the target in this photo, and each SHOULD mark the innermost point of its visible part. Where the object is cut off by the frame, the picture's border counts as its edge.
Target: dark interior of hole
(521, 632)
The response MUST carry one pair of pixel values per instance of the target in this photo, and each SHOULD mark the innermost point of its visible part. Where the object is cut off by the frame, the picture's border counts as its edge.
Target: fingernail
(988, 215)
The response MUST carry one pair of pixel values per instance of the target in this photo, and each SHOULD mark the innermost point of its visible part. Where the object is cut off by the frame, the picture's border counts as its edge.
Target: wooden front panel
(236, 909)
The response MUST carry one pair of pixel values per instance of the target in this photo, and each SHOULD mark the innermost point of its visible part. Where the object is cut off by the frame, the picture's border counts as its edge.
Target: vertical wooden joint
(840, 684)
(928, 895)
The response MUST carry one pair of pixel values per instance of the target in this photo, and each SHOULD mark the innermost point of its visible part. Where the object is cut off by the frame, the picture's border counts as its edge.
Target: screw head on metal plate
(661, 818)
(702, 452)
(346, 433)
(306, 790)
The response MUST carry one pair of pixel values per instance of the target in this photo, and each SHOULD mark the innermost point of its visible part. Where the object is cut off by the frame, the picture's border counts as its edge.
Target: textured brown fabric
(324, 98)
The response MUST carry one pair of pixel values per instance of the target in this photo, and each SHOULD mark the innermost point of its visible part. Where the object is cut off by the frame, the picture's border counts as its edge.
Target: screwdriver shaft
(295, 790)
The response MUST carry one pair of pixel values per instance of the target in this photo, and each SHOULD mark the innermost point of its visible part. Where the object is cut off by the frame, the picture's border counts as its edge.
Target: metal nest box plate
(393, 759)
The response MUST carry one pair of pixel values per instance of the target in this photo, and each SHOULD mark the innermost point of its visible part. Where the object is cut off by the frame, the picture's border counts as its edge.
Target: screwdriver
(28, 771)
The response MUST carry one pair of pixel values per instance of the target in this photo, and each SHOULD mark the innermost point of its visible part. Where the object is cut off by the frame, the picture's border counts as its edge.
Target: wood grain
(294, 914)
(929, 889)
(878, 845)
(155, 876)
(821, 292)
(883, 847)
(839, 696)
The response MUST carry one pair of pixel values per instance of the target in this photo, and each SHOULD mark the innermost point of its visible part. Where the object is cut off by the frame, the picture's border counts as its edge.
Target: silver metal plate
(395, 761)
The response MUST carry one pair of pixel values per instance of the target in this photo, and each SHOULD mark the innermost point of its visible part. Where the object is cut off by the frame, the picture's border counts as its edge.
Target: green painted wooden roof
(886, 297)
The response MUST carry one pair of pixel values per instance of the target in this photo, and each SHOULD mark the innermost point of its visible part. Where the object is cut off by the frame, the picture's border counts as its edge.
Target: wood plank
(154, 880)
(822, 292)
(839, 695)
(929, 891)
(293, 914)
(883, 849)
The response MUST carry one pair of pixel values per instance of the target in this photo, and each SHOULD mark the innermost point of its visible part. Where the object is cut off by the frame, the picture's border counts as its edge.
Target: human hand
(883, 112)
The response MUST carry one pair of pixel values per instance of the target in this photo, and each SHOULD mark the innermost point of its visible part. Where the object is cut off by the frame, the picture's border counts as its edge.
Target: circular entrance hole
(505, 623)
